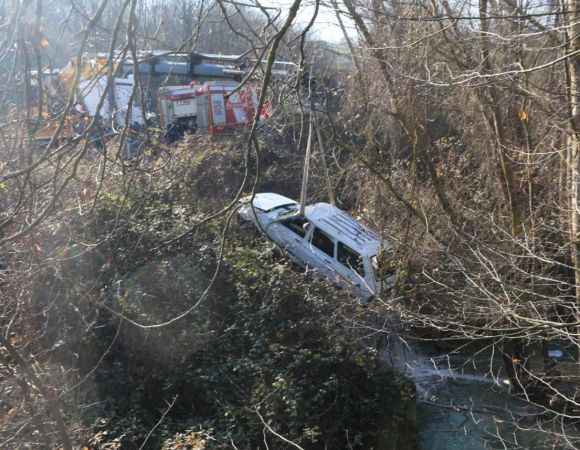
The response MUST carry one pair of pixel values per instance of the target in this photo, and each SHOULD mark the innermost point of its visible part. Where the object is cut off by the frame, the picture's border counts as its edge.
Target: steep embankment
(266, 352)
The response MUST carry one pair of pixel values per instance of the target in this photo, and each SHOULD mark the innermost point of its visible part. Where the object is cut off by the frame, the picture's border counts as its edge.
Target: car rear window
(350, 258)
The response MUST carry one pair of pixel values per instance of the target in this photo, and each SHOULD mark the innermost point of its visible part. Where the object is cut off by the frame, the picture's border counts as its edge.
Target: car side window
(350, 258)
(323, 242)
(298, 225)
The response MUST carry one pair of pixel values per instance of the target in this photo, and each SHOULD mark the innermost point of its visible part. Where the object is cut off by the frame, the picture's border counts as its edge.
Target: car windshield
(297, 224)
(283, 209)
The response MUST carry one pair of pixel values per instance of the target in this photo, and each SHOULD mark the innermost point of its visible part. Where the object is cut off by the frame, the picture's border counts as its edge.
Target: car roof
(343, 227)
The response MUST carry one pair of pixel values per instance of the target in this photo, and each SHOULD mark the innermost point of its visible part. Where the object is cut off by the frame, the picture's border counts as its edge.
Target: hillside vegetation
(136, 313)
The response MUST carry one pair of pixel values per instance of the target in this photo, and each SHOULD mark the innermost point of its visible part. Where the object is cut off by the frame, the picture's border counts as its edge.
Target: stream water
(463, 401)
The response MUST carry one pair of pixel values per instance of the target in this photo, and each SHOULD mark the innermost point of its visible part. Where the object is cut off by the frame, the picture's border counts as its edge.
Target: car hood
(268, 201)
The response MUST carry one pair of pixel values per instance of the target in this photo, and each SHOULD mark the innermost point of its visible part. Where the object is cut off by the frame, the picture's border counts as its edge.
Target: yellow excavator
(57, 88)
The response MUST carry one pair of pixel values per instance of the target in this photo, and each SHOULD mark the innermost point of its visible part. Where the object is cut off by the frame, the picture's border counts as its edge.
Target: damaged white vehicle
(325, 239)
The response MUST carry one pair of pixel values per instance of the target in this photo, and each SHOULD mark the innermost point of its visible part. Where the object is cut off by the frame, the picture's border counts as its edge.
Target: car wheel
(364, 302)
(278, 254)
(244, 224)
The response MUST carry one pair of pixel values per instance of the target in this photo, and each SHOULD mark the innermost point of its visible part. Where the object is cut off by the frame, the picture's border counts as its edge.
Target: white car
(325, 239)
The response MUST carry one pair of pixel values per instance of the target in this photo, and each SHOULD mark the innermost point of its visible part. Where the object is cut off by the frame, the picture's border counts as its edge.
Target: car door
(321, 253)
(351, 267)
(291, 234)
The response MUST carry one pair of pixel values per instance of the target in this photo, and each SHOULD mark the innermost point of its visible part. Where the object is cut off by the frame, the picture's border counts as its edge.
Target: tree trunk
(505, 170)
(573, 140)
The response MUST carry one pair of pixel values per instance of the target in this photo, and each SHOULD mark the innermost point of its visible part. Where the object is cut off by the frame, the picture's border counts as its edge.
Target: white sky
(326, 26)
